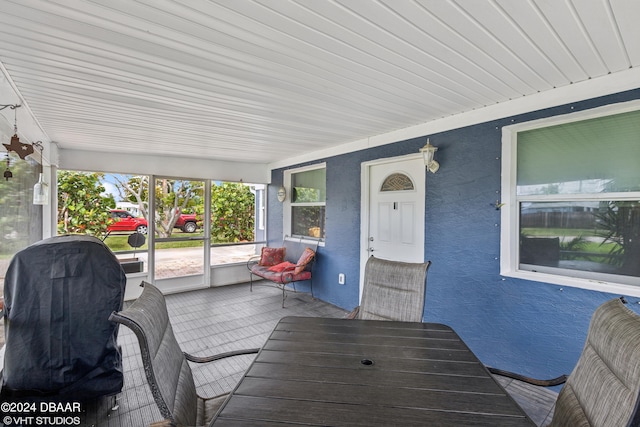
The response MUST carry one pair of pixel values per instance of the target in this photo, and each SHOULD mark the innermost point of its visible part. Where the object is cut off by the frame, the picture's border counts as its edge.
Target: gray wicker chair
(604, 388)
(393, 290)
(168, 373)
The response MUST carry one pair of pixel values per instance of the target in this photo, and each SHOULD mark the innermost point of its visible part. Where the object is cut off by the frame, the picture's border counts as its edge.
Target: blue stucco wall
(534, 328)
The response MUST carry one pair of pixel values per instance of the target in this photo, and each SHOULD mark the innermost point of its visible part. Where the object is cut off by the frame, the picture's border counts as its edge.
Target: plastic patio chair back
(393, 290)
(603, 389)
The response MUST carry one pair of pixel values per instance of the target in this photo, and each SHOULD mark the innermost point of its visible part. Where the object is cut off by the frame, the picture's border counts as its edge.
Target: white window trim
(509, 233)
(286, 208)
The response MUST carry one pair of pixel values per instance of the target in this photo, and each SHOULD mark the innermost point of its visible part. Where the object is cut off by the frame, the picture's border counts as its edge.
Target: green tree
(232, 212)
(619, 223)
(134, 189)
(174, 197)
(81, 206)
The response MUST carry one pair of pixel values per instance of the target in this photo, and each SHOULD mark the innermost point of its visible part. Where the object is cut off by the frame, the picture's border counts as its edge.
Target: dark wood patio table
(339, 372)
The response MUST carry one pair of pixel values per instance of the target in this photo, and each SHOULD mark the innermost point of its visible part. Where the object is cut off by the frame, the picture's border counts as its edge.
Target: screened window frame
(510, 211)
(289, 204)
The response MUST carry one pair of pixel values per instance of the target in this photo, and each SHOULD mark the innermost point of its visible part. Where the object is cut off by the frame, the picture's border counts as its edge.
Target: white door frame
(365, 170)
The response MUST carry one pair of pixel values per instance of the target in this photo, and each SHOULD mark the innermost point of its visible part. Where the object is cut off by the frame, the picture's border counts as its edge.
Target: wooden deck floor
(226, 318)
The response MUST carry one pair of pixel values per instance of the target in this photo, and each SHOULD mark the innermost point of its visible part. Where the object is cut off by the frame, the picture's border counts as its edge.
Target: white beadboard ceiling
(265, 80)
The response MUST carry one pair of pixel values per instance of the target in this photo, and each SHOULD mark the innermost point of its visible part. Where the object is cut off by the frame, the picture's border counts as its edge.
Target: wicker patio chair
(393, 290)
(604, 388)
(168, 373)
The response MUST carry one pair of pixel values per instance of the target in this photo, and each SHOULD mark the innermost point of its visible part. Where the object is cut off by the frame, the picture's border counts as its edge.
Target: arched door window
(397, 182)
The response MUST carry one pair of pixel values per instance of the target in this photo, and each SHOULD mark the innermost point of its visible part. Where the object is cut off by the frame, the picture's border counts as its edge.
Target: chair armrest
(206, 359)
(253, 260)
(534, 381)
(354, 313)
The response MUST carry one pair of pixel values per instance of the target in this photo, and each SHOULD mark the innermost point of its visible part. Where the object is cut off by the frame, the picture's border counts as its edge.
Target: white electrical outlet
(341, 279)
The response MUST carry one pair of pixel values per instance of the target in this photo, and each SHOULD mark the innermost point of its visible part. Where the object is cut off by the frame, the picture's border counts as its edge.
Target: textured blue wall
(534, 328)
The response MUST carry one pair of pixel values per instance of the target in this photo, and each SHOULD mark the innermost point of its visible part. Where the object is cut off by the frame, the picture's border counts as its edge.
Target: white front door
(393, 210)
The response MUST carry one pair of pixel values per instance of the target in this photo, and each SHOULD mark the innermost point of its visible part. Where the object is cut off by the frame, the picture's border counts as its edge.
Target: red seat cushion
(279, 268)
(280, 278)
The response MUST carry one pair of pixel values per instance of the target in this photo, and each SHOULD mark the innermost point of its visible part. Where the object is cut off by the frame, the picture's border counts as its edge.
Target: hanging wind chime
(40, 191)
(7, 171)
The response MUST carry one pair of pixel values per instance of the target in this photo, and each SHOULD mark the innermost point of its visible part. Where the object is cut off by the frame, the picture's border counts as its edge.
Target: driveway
(186, 261)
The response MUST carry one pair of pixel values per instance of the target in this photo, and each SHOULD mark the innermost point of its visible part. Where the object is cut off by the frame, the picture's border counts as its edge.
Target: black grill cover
(58, 294)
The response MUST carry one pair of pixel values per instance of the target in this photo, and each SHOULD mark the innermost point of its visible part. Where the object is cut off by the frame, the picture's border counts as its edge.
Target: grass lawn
(554, 232)
(118, 242)
(588, 249)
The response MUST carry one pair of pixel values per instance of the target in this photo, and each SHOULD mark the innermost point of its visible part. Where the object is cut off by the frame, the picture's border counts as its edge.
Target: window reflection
(586, 186)
(308, 221)
(596, 236)
(308, 201)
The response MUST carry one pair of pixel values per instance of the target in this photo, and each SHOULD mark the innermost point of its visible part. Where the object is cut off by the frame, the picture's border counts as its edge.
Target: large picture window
(179, 230)
(305, 210)
(572, 211)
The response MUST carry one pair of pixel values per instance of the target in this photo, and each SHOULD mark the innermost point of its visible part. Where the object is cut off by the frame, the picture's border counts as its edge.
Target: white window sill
(575, 282)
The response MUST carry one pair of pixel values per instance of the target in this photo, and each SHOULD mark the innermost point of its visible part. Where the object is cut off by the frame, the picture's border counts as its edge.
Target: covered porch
(252, 91)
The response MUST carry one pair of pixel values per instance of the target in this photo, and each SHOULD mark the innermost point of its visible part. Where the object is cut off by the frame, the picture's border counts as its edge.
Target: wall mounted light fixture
(282, 194)
(428, 152)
